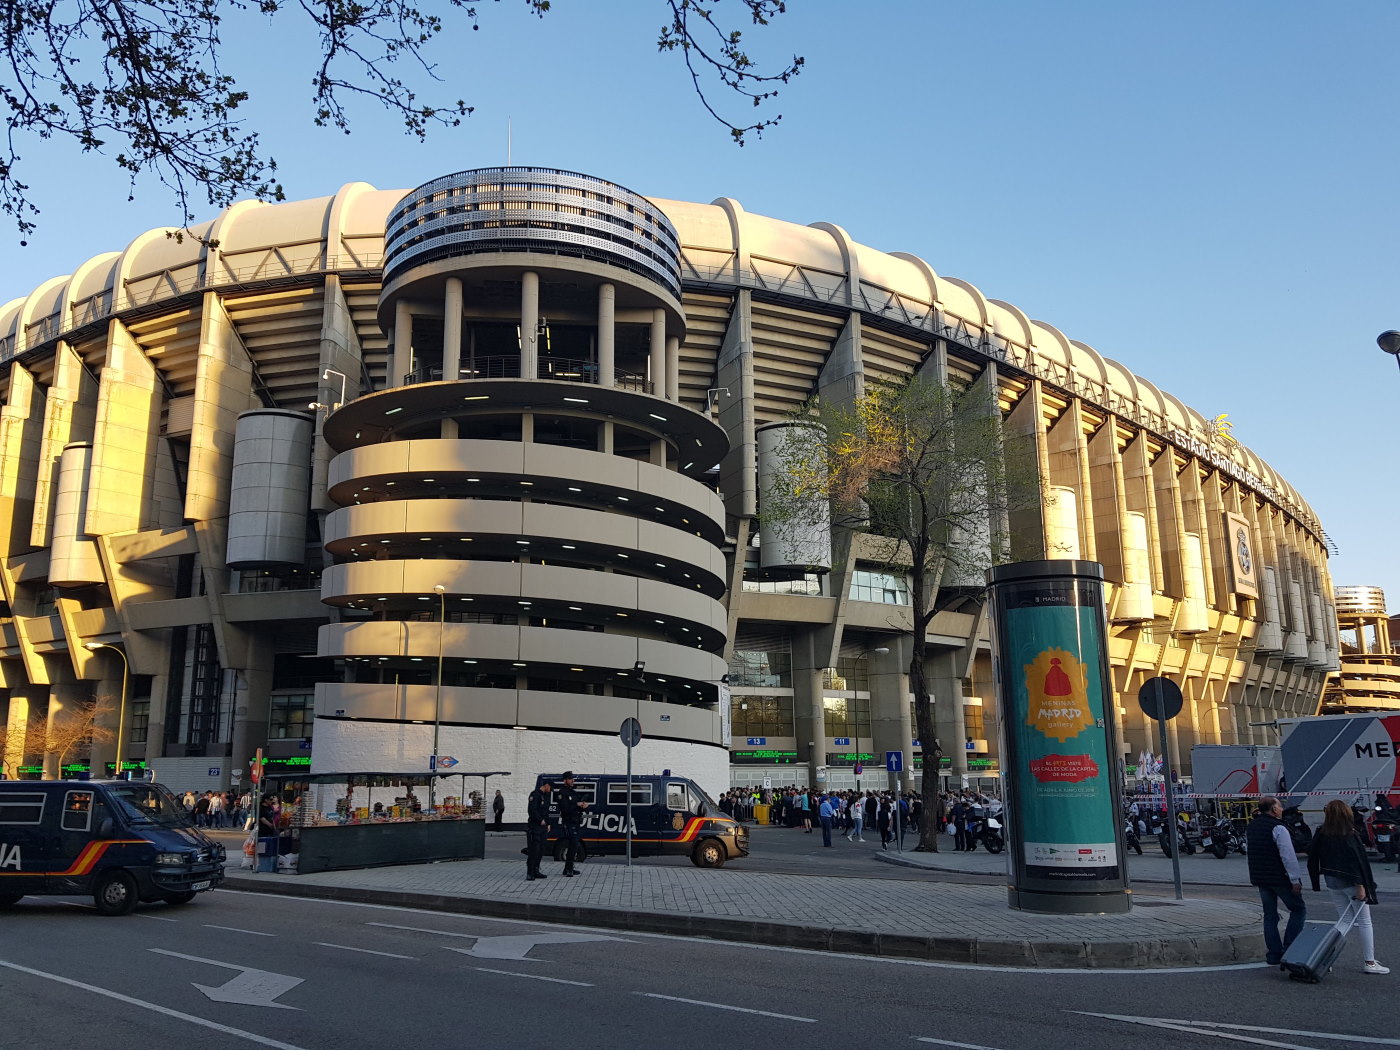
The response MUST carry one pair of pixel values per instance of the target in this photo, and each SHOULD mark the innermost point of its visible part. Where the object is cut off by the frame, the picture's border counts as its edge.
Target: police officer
(571, 809)
(537, 829)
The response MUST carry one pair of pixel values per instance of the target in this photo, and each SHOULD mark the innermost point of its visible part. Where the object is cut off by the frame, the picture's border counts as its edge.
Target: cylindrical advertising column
(1063, 800)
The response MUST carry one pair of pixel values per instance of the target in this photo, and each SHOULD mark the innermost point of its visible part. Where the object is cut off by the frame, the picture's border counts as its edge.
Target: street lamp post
(121, 709)
(437, 700)
(1389, 341)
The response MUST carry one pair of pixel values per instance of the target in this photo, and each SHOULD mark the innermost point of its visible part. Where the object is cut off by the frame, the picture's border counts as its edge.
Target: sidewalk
(946, 922)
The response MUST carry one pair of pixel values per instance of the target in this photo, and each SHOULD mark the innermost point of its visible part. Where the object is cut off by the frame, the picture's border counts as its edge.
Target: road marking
(203, 1022)
(949, 1042)
(420, 929)
(155, 918)
(1095, 971)
(518, 947)
(1195, 1026)
(85, 907)
(536, 977)
(235, 929)
(726, 1006)
(252, 987)
(367, 951)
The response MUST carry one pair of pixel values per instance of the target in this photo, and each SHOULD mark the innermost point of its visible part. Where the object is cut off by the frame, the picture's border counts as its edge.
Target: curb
(1165, 952)
(898, 860)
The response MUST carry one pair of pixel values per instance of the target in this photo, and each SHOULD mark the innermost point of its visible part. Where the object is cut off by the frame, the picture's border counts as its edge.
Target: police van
(121, 841)
(671, 816)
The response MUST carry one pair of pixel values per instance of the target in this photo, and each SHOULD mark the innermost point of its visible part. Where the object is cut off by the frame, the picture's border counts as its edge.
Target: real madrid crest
(1242, 552)
(1057, 685)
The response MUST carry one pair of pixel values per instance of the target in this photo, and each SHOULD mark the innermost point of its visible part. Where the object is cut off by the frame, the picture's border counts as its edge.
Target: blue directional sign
(842, 741)
(758, 741)
(894, 761)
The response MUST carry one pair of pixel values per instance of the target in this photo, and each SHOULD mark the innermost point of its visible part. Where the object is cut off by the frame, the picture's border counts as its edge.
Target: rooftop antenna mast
(508, 131)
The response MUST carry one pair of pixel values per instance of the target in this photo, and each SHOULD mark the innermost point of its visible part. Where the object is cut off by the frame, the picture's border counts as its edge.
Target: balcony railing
(507, 366)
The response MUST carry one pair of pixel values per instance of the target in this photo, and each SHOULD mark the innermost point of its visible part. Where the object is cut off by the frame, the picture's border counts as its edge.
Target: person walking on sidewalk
(571, 808)
(537, 829)
(498, 809)
(1338, 856)
(856, 811)
(1274, 870)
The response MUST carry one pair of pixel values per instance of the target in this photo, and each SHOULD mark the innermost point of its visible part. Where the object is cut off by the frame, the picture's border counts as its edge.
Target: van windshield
(148, 804)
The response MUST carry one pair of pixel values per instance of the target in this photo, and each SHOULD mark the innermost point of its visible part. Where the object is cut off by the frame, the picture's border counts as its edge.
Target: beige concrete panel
(21, 430)
(69, 411)
(74, 559)
(783, 608)
(417, 703)
(173, 612)
(153, 543)
(1028, 529)
(1108, 505)
(604, 714)
(223, 389)
(274, 605)
(128, 420)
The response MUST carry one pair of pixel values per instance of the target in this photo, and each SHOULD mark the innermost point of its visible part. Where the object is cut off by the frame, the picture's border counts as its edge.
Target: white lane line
(420, 929)
(875, 960)
(726, 1006)
(203, 1022)
(1192, 1029)
(235, 929)
(1374, 1040)
(75, 904)
(366, 951)
(949, 1042)
(536, 977)
(156, 918)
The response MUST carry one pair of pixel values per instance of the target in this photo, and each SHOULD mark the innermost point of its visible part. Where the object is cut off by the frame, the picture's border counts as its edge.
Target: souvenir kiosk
(337, 821)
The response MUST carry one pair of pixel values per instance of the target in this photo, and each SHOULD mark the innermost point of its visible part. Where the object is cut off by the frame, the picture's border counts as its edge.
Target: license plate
(1382, 838)
(200, 886)
(1207, 842)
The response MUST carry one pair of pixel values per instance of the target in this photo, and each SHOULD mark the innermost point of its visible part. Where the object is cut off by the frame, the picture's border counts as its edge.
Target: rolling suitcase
(1315, 950)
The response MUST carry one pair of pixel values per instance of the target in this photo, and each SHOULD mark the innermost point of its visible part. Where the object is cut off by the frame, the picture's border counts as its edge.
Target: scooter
(1164, 839)
(1131, 837)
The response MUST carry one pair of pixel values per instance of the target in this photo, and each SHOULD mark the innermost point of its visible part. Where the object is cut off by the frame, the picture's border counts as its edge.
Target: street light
(1389, 341)
(437, 704)
(121, 710)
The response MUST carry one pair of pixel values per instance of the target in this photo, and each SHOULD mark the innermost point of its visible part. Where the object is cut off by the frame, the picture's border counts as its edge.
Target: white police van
(671, 816)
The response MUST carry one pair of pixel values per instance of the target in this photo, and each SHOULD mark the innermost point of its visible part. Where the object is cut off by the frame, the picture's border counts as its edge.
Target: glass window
(761, 667)
(761, 715)
(617, 794)
(587, 791)
(973, 721)
(77, 811)
(138, 721)
(810, 584)
(292, 716)
(846, 716)
(675, 796)
(22, 807)
(879, 587)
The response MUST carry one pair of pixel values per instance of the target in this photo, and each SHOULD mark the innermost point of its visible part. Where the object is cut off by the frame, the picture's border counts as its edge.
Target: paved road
(325, 976)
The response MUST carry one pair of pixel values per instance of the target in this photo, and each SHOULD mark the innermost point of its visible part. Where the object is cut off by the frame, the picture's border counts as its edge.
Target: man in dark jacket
(1274, 869)
(537, 829)
(571, 808)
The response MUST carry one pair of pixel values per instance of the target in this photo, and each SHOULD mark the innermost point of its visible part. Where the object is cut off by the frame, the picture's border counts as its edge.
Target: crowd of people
(854, 813)
(218, 809)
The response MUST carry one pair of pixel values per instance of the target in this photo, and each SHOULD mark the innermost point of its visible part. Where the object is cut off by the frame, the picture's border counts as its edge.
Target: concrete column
(890, 728)
(658, 353)
(673, 368)
(251, 706)
(948, 719)
(529, 322)
(809, 718)
(104, 751)
(65, 702)
(452, 329)
(402, 362)
(16, 729)
(607, 331)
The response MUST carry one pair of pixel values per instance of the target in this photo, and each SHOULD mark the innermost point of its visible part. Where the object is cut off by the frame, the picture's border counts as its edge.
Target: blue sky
(1202, 190)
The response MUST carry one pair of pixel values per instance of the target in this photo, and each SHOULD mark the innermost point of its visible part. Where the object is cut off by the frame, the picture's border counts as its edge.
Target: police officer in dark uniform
(571, 809)
(537, 829)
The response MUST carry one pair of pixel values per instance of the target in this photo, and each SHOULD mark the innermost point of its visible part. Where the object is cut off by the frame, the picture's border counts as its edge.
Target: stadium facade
(475, 471)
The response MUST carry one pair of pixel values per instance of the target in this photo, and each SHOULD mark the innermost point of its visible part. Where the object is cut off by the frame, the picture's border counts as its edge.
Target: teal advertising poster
(1064, 775)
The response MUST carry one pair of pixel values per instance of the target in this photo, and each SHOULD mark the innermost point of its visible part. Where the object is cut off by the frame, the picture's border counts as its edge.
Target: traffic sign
(631, 732)
(1160, 698)
(860, 768)
(445, 762)
(894, 761)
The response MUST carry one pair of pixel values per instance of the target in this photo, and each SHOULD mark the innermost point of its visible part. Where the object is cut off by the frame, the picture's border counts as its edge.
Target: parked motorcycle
(986, 832)
(1385, 828)
(1164, 839)
(1131, 837)
(1222, 839)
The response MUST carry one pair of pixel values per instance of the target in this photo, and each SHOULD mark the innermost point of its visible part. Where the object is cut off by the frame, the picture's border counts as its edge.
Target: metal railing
(507, 366)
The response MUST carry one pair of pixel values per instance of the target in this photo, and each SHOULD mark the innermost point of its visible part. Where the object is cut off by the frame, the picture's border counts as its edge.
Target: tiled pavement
(926, 920)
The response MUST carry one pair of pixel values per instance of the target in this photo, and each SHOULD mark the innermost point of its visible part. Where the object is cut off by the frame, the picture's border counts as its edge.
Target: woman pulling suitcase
(1338, 856)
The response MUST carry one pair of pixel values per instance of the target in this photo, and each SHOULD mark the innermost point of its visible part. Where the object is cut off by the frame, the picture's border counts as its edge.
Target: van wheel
(178, 898)
(709, 854)
(115, 893)
(9, 900)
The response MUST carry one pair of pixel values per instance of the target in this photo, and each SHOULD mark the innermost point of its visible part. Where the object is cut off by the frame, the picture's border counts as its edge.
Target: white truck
(1351, 757)
(1230, 770)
